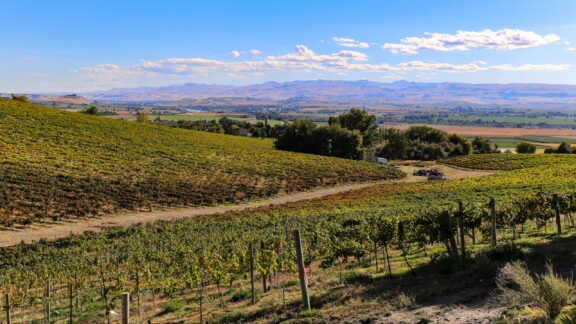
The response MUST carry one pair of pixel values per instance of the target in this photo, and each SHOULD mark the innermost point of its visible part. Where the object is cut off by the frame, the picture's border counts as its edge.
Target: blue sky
(70, 46)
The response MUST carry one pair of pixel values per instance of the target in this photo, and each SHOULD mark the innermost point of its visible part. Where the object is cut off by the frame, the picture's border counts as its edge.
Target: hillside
(332, 92)
(65, 99)
(346, 234)
(59, 164)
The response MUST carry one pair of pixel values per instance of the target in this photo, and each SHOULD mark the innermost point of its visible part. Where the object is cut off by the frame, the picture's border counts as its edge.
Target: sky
(75, 46)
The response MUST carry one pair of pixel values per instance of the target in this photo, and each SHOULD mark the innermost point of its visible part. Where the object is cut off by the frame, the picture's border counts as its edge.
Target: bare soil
(496, 131)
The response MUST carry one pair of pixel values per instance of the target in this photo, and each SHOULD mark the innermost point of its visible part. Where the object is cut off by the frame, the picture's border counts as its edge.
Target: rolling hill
(57, 164)
(353, 92)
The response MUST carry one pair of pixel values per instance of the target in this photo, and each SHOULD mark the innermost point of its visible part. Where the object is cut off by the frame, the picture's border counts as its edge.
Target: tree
(21, 98)
(306, 137)
(93, 110)
(358, 119)
(482, 145)
(525, 147)
(564, 148)
(141, 117)
(423, 143)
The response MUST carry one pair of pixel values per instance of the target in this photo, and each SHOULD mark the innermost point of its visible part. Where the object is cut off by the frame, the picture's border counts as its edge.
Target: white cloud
(571, 49)
(503, 39)
(255, 51)
(303, 53)
(302, 59)
(350, 42)
(235, 54)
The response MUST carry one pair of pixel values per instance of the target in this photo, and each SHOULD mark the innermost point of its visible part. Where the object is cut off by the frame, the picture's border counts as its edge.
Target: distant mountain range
(325, 92)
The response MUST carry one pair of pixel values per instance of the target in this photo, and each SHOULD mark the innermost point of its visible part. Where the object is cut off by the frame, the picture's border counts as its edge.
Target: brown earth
(495, 131)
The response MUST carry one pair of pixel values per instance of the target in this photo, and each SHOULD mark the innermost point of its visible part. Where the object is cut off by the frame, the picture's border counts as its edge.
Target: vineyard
(57, 165)
(509, 161)
(200, 268)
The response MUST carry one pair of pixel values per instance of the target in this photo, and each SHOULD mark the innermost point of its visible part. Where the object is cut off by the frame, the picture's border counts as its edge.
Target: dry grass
(548, 291)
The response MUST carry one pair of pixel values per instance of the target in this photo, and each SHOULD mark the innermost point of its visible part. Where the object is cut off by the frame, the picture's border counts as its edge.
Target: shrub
(243, 294)
(355, 277)
(548, 291)
(172, 306)
(525, 147)
(240, 295)
(309, 313)
(403, 300)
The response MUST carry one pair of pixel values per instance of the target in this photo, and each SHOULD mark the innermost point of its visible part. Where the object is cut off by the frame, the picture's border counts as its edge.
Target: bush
(309, 313)
(548, 291)
(355, 277)
(172, 306)
(403, 300)
(243, 294)
(525, 147)
(240, 295)
(423, 143)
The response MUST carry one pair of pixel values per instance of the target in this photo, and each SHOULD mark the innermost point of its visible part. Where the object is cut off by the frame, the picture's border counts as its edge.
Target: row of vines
(187, 258)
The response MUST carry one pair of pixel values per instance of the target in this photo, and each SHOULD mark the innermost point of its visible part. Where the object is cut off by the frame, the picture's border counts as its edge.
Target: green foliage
(525, 147)
(423, 143)
(141, 117)
(21, 98)
(93, 110)
(564, 148)
(309, 313)
(240, 295)
(361, 120)
(307, 137)
(172, 306)
(482, 145)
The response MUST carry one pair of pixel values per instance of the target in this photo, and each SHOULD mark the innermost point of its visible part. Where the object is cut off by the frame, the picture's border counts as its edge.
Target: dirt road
(65, 228)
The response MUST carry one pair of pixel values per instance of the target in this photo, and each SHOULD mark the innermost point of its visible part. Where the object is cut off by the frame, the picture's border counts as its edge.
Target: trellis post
(557, 210)
(301, 270)
(8, 309)
(251, 265)
(493, 221)
(125, 307)
(461, 223)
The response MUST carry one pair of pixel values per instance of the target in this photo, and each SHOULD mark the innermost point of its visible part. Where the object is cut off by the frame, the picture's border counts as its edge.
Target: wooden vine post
(301, 270)
(125, 308)
(557, 210)
(70, 303)
(448, 230)
(48, 303)
(251, 265)
(493, 221)
(8, 309)
(262, 256)
(461, 223)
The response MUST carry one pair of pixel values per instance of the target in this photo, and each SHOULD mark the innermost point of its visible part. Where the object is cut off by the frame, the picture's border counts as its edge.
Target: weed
(548, 291)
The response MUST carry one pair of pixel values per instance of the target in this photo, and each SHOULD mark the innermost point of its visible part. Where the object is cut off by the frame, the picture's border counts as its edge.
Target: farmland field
(495, 131)
(199, 117)
(59, 164)
(516, 120)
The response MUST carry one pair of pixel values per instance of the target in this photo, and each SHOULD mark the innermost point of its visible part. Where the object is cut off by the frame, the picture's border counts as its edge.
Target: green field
(517, 120)
(509, 142)
(547, 139)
